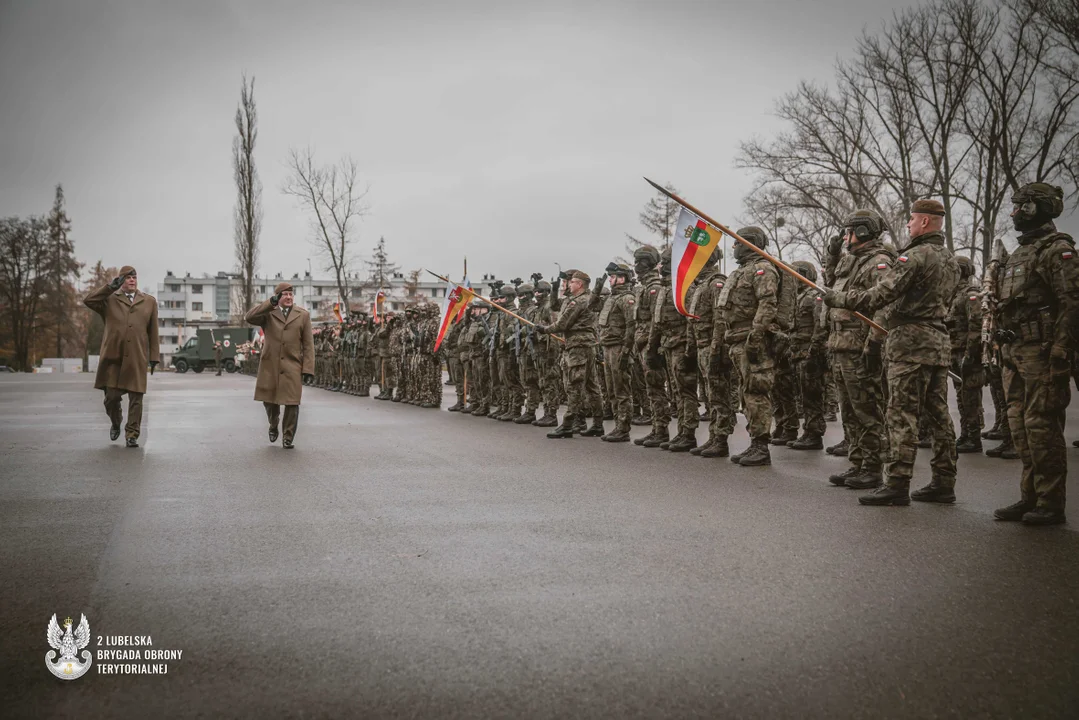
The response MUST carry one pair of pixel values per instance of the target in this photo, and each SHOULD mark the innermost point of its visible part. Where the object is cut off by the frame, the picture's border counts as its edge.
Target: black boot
(114, 431)
(687, 441)
(782, 437)
(840, 479)
(864, 480)
(456, 407)
(719, 448)
(886, 495)
(839, 449)
(808, 441)
(608, 414)
(640, 420)
(1044, 516)
(758, 454)
(132, 442)
(701, 448)
(565, 430)
(969, 444)
(666, 444)
(642, 440)
(597, 428)
(467, 409)
(1015, 511)
(934, 493)
(525, 418)
(1005, 450)
(548, 420)
(658, 437)
(617, 435)
(994, 433)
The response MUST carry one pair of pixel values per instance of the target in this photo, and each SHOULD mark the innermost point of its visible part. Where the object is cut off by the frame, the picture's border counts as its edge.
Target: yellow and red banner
(693, 242)
(337, 312)
(453, 307)
(380, 297)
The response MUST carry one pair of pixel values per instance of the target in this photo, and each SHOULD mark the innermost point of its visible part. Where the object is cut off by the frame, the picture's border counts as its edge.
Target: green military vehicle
(198, 353)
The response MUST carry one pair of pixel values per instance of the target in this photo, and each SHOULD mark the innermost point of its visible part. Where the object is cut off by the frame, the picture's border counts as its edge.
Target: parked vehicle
(197, 354)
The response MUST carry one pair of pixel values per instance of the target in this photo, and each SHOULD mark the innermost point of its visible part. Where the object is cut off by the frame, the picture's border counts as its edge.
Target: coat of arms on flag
(457, 299)
(693, 243)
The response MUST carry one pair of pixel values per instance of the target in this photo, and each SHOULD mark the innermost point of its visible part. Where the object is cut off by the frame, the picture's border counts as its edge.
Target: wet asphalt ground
(403, 562)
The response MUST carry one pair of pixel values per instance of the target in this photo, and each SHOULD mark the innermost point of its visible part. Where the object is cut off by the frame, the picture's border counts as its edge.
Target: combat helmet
(865, 224)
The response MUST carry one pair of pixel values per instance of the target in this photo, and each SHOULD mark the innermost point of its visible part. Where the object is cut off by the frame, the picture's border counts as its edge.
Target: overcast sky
(513, 133)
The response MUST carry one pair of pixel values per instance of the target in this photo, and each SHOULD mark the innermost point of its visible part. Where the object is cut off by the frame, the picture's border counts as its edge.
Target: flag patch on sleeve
(902, 258)
(882, 266)
(760, 272)
(1066, 255)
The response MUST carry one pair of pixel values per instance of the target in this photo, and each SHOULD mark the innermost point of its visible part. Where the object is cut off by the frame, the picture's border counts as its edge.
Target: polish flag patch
(881, 266)
(652, 291)
(719, 285)
(973, 297)
(1066, 255)
(902, 258)
(760, 272)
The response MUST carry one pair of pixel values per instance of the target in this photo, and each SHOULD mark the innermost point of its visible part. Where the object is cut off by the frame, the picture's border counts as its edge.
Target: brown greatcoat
(288, 352)
(130, 340)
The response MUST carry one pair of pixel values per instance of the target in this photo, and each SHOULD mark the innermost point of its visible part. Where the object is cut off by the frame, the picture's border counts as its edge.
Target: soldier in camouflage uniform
(526, 358)
(476, 341)
(713, 357)
(1037, 324)
(497, 321)
(669, 334)
(506, 349)
(617, 325)
(363, 355)
(383, 334)
(921, 286)
(452, 343)
(576, 323)
(646, 265)
(992, 362)
(785, 390)
(857, 349)
(807, 352)
(749, 302)
(965, 330)
(548, 356)
(397, 355)
(600, 292)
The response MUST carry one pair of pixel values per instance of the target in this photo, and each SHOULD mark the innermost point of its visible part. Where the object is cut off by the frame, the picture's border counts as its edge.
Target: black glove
(598, 286)
(835, 245)
(116, 283)
(556, 286)
(874, 361)
(153, 366)
(275, 299)
(539, 328)
(308, 378)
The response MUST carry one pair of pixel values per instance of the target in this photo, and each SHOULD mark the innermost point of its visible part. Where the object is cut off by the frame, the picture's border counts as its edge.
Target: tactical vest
(738, 299)
(846, 333)
(1028, 306)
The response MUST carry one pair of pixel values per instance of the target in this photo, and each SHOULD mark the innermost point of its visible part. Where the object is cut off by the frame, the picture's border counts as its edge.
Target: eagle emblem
(68, 644)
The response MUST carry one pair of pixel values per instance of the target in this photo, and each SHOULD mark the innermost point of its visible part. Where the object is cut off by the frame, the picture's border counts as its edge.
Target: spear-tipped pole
(767, 256)
(492, 303)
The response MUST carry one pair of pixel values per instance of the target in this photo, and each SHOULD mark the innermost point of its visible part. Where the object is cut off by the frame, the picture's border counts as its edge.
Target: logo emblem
(68, 666)
(697, 234)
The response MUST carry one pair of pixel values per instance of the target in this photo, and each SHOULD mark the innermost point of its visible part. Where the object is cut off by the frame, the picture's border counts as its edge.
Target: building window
(262, 289)
(196, 306)
(196, 289)
(175, 304)
(173, 288)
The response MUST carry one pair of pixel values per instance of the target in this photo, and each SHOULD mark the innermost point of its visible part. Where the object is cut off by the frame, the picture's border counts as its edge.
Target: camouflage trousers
(717, 391)
(758, 378)
(429, 379)
(530, 381)
(456, 373)
(861, 398)
(1038, 397)
(509, 379)
(785, 395)
(810, 371)
(551, 388)
(968, 396)
(831, 393)
(479, 382)
(916, 391)
(582, 385)
(655, 384)
(618, 385)
(638, 387)
(387, 373)
(1000, 399)
(683, 384)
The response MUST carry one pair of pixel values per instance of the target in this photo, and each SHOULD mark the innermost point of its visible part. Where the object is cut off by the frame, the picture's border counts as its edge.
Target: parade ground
(402, 562)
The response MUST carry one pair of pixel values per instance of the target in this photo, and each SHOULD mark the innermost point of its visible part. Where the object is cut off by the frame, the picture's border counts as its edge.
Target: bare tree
(248, 211)
(24, 282)
(95, 325)
(331, 194)
(659, 217)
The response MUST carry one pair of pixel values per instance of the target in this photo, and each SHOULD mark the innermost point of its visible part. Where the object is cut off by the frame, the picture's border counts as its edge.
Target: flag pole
(492, 303)
(770, 258)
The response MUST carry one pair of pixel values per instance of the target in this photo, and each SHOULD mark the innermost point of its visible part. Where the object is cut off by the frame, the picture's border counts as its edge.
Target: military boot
(430, 405)
(642, 440)
(757, 454)
(886, 495)
(618, 435)
(1044, 516)
(839, 449)
(840, 479)
(494, 411)
(1005, 450)
(597, 428)
(994, 433)
(565, 430)
(510, 415)
(864, 480)
(934, 493)
(782, 437)
(969, 444)
(718, 448)
(701, 448)
(658, 437)
(808, 441)
(548, 420)
(580, 425)
(479, 412)
(608, 413)
(525, 418)
(666, 444)
(1015, 511)
(456, 407)
(686, 441)
(924, 442)
(640, 419)
(397, 398)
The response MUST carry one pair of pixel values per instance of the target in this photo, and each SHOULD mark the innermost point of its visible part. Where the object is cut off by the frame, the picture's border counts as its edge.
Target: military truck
(198, 353)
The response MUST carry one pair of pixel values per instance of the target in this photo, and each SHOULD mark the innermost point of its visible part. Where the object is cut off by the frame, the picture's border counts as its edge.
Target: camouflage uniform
(397, 355)
(749, 302)
(856, 351)
(576, 323)
(1038, 326)
(646, 260)
(713, 360)
(992, 362)
(617, 323)
(527, 359)
(477, 341)
(387, 375)
(785, 389)
(548, 351)
(807, 352)
(454, 363)
(921, 286)
(506, 349)
(965, 330)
